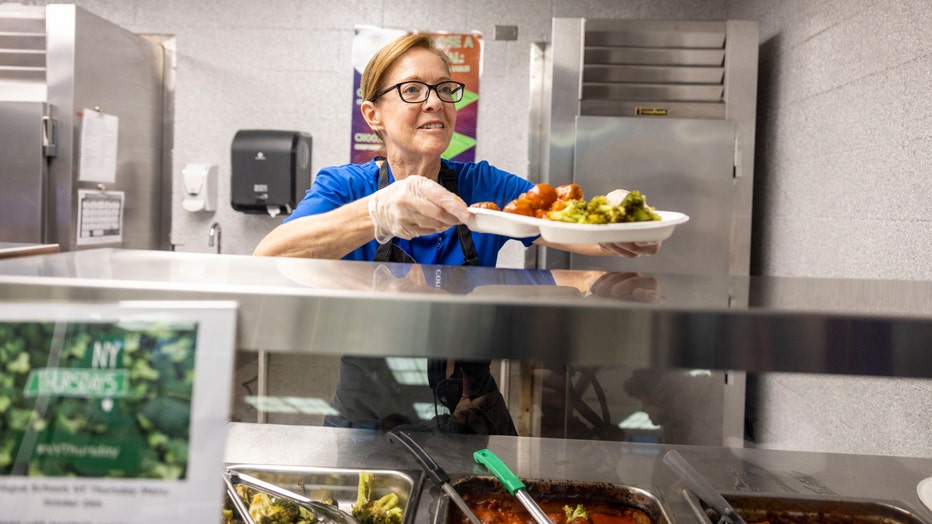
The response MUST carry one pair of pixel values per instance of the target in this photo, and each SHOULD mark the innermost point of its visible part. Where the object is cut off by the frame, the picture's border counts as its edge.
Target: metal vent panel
(652, 74)
(628, 66)
(22, 52)
(654, 56)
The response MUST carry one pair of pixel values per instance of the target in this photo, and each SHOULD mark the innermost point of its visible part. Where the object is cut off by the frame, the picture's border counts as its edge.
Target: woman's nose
(433, 100)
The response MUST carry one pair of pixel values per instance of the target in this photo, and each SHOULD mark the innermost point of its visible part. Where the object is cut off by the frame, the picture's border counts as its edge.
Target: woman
(409, 102)
(411, 206)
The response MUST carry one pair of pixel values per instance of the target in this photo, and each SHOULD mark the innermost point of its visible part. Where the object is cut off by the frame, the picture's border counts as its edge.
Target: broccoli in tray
(267, 509)
(384, 510)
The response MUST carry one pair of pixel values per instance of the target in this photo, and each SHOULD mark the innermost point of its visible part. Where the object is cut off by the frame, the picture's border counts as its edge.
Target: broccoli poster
(99, 410)
(465, 52)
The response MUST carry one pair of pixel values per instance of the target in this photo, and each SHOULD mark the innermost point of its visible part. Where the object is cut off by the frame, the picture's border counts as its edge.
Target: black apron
(448, 390)
(389, 252)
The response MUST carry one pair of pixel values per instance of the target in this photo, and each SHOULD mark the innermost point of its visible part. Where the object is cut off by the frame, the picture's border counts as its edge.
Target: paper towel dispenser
(270, 170)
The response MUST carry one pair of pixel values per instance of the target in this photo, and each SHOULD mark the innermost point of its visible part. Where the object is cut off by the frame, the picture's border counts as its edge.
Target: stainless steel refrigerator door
(23, 172)
(93, 63)
(679, 165)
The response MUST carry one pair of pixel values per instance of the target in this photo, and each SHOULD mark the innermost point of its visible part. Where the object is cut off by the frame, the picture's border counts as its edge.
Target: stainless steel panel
(655, 56)
(477, 490)
(560, 107)
(22, 53)
(649, 33)
(749, 472)
(652, 74)
(881, 328)
(340, 484)
(20, 59)
(36, 42)
(679, 165)
(23, 172)
(810, 508)
(710, 110)
(741, 106)
(672, 92)
(93, 63)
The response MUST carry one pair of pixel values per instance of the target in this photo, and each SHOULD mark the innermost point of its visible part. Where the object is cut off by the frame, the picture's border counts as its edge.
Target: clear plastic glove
(630, 249)
(634, 287)
(412, 207)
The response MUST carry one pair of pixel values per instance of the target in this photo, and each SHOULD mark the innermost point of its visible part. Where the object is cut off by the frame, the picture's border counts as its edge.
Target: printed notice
(98, 153)
(99, 415)
(100, 217)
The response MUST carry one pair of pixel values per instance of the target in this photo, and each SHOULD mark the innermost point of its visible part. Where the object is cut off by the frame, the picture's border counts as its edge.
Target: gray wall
(843, 188)
(843, 175)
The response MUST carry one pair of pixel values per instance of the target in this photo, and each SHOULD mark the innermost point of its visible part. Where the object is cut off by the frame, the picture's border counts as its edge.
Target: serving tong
(324, 512)
(433, 470)
(702, 488)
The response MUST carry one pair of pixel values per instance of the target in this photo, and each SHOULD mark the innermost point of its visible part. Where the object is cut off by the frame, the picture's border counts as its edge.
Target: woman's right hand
(412, 207)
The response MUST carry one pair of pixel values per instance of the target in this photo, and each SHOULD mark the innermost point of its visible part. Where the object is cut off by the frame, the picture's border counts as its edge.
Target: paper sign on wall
(98, 152)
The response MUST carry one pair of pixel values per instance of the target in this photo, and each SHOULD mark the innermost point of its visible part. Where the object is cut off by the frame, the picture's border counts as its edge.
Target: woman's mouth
(432, 125)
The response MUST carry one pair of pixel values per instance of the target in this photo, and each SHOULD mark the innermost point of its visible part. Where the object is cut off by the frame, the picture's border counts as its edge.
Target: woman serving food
(411, 199)
(410, 205)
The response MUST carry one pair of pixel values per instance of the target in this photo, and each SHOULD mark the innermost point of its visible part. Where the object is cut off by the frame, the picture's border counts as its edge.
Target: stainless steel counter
(20, 249)
(756, 324)
(730, 470)
(800, 325)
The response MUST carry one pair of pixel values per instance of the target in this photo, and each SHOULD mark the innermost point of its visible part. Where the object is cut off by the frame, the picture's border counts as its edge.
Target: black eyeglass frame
(460, 90)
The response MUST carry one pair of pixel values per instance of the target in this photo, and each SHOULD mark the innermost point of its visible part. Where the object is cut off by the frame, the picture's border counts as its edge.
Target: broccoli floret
(598, 210)
(384, 510)
(601, 212)
(636, 208)
(575, 212)
(266, 509)
(575, 513)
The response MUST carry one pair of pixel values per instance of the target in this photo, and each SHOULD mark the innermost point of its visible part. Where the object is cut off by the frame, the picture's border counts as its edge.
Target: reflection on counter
(699, 407)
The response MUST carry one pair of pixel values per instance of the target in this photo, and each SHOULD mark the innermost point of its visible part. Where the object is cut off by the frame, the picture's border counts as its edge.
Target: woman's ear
(372, 116)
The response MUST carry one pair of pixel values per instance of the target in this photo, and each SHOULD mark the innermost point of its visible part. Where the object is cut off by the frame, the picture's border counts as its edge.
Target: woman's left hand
(630, 249)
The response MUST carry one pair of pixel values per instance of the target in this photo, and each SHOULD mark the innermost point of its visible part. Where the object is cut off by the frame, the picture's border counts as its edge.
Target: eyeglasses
(414, 92)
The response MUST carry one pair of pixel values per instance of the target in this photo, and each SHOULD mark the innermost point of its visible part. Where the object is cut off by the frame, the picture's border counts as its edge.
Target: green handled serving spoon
(512, 483)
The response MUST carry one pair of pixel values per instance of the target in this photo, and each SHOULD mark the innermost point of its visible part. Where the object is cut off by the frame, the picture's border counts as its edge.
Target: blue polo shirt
(476, 182)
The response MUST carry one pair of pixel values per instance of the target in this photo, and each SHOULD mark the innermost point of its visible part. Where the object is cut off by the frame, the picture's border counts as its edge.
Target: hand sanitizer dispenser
(200, 187)
(271, 170)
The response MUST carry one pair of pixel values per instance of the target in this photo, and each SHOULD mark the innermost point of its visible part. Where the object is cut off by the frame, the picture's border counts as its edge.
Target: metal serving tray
(340, 484)
(799, 509)
(571, 491)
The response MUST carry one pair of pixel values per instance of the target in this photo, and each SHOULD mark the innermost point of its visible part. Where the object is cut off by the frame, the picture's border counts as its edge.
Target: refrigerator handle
(49, 136)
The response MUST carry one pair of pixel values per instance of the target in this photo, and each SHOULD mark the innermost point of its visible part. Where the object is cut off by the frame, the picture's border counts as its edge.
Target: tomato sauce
(498, 508)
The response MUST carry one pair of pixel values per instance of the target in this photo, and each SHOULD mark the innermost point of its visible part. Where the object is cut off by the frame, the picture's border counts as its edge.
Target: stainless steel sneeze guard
(756, 324)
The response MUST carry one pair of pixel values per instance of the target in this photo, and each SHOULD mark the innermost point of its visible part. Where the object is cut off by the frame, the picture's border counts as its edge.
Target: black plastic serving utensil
(433, 470)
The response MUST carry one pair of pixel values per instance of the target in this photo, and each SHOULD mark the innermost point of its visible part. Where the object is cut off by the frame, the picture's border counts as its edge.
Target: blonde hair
(377, 68)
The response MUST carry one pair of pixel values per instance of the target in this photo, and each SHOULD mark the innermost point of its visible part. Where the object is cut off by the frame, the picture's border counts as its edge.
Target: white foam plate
(501, 223)
(519, 226)
(924, 490)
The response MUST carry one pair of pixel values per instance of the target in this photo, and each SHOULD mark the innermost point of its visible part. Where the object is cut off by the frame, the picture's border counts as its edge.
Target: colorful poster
(465, 52)
(113, 413)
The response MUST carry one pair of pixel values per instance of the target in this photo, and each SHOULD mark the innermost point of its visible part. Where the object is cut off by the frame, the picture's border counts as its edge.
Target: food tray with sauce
(520, 226)
(340, 484)
(606, 503)
(806, 509)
